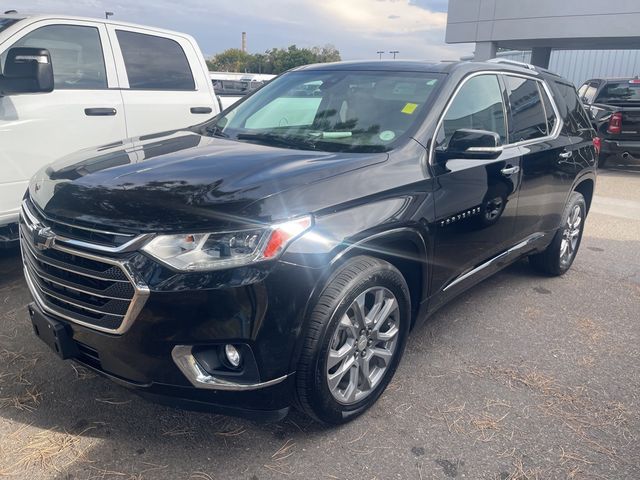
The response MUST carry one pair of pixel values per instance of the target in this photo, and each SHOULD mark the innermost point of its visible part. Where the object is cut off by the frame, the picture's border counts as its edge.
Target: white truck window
(76, 55)
(154, 63)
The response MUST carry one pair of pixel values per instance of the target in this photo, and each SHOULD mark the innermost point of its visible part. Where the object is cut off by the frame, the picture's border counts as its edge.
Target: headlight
(214, 251)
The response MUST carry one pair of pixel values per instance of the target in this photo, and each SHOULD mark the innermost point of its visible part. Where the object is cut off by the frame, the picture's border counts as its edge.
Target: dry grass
(593, 332)
(82, 373)
(590, 420)
(278, 463)
(27, 401)
(47, 450)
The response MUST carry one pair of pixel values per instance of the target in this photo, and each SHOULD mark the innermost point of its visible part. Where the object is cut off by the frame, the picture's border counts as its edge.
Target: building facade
(542, 26)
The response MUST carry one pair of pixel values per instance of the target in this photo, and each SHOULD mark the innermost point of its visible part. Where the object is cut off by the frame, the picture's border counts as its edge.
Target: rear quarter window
(574, 115)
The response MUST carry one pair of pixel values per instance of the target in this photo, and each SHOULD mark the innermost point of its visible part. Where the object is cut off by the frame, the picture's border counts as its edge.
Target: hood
(181, 181)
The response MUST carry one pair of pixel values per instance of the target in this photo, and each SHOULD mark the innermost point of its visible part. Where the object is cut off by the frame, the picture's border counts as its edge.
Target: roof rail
(513, 62)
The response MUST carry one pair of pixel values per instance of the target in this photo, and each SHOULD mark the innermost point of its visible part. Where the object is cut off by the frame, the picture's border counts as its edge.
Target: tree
(275, 60)
(231, 60)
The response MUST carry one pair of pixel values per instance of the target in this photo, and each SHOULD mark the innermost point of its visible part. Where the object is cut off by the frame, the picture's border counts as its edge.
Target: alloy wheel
(571, 235)
(363, 345)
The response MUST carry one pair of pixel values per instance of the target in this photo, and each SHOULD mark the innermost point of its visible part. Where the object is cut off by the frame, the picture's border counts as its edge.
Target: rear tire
(558, 257)
(354, 340)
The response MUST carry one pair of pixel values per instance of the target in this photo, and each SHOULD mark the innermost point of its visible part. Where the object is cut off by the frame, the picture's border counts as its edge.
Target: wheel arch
(586, 186)
(406, 248)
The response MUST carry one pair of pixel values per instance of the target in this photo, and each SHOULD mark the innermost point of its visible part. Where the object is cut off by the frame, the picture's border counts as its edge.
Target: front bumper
(161, 332)
(267, 402)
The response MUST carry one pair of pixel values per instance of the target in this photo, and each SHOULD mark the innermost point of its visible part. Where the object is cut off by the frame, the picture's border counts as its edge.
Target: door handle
(568, 154)
(511, 170)
(100, 112)
(201, 110)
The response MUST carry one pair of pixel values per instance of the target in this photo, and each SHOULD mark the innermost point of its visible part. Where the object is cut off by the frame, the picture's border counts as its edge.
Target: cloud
(358, 28)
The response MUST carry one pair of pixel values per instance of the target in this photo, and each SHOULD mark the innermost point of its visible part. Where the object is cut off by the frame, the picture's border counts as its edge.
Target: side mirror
(473, 144)
(27, 70)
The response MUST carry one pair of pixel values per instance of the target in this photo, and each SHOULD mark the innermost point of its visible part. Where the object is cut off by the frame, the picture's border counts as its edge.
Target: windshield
(7, 22)
(623, 92)
(331, 110)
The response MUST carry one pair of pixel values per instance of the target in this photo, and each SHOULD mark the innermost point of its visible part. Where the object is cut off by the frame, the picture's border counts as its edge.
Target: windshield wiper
(278, 140)
(216, 131)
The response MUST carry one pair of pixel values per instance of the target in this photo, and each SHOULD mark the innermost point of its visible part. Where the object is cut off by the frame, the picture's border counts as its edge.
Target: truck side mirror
(27, 70)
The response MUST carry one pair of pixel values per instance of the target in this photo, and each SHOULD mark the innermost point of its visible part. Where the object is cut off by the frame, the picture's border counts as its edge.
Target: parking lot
(522, 377)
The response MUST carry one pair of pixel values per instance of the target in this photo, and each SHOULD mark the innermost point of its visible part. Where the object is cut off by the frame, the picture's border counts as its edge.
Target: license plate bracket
(54, 333)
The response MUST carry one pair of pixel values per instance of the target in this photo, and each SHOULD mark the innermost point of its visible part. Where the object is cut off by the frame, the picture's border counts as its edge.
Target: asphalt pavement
(522, 377)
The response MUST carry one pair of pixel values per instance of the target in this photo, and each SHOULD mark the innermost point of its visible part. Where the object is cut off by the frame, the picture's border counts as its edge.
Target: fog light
(232, 354)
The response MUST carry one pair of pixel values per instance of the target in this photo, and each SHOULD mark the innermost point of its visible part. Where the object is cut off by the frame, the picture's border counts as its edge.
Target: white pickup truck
(68, 83)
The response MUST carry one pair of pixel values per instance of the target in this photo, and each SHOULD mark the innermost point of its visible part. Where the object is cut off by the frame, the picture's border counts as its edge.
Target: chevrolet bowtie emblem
(43, 238)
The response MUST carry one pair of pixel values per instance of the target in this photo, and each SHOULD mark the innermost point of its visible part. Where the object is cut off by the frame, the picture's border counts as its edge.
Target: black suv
(281, 253)
(614, 104)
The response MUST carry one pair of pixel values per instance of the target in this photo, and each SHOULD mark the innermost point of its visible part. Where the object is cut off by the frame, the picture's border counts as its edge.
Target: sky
(358, 28)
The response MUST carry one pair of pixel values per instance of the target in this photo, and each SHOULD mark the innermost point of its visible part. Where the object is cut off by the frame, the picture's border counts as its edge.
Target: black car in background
(614, 104)
(280, 254)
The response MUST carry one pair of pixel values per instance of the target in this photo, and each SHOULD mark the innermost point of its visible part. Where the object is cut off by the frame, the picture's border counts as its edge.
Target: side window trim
(559, 122)
(439, 124)
(556, 130)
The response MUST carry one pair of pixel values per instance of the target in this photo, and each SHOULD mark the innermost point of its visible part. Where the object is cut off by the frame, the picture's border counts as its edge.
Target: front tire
(560, 254)
(354, 340)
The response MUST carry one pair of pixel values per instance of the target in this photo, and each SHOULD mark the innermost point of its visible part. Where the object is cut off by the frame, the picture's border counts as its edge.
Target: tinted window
(527, 113)
(331, 110)
(577, 118)
(76, 55)
(478, 105)
(548, 109)
(154, 63)
(622, 92)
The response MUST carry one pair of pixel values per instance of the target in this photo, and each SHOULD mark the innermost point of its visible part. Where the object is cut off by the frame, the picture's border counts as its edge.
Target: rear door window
(76, 55)
(154, 63)
(528, 119)
(478, 105)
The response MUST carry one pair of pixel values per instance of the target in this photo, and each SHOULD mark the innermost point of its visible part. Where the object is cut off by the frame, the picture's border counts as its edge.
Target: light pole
(107, 15)
(380, 52)
(394, 53)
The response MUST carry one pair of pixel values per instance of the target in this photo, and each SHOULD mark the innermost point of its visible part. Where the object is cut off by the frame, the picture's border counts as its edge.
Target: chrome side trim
(131, 245)
(553, 135)
(199, 378)
(520, 246)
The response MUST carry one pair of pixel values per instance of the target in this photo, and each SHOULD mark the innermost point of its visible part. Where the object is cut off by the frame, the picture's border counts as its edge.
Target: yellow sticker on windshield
(409, 108)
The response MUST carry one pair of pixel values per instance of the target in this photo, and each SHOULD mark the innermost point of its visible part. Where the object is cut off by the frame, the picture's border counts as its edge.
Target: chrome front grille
(95, 291)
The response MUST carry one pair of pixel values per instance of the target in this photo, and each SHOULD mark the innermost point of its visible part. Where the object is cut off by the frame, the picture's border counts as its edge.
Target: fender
(368, 244)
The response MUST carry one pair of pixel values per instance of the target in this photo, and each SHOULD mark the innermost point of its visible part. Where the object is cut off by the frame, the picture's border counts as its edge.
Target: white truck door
(167, 82)
(84, 110)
